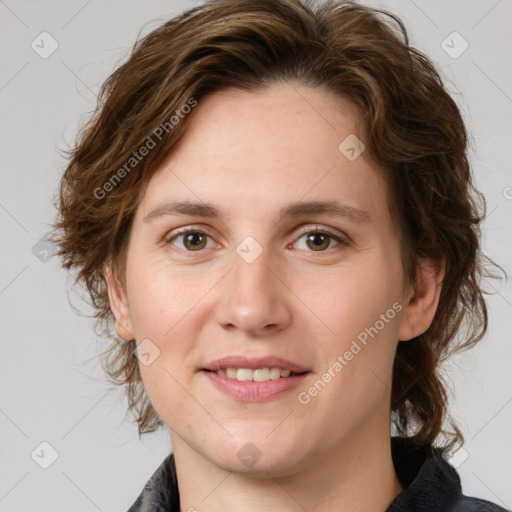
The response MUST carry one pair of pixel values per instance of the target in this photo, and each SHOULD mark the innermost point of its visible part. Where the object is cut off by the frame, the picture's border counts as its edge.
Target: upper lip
(253, 363)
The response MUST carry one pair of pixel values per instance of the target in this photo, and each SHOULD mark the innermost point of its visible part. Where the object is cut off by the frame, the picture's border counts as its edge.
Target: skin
(294, 301)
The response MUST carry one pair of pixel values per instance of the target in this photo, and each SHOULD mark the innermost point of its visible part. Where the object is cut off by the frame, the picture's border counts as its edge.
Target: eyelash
(307, 230)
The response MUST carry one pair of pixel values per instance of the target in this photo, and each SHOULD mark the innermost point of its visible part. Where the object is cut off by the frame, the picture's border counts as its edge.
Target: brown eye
(318, 241)
(194, 241)
(191, 240)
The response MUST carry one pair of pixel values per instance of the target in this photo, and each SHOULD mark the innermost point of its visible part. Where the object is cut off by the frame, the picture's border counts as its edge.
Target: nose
(254, 297)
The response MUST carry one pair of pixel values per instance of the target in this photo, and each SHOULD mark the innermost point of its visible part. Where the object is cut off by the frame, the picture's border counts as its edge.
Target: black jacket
(430, 485)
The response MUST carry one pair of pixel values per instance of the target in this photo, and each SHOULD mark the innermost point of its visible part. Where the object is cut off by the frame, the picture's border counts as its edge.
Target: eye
(316, 240)
(319, 240)
(192, 239)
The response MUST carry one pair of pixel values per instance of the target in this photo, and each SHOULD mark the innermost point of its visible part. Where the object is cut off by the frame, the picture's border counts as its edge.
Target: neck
(357, 476)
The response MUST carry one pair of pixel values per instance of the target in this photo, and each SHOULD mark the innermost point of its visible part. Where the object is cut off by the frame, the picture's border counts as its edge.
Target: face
(319, 288)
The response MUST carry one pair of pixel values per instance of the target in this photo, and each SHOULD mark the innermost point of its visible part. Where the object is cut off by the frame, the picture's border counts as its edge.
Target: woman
(275, 207)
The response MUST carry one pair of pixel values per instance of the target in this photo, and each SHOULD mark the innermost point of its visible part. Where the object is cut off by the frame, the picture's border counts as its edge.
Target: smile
(257, 375)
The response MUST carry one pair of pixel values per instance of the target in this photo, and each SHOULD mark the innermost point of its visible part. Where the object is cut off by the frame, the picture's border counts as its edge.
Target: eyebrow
(202, 209)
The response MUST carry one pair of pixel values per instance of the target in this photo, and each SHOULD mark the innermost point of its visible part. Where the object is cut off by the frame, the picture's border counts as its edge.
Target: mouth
(245, 377)
(256, 375)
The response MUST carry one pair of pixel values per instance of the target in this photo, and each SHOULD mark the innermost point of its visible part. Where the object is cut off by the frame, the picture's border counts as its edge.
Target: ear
(422, 301)
(118, 304)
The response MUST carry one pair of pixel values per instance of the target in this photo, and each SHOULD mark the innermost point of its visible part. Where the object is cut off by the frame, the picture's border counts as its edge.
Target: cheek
(160, 296)
(162, 311)
(361, 309)
(350, 300)
(167, 307)
(358, 358)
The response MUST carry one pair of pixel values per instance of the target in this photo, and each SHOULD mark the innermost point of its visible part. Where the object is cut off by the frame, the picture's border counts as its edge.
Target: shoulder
(430, 483)
(470, 504)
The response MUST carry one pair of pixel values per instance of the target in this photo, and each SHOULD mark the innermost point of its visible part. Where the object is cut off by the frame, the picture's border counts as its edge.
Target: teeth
(259, 375)
(244, 374)
(275, 373)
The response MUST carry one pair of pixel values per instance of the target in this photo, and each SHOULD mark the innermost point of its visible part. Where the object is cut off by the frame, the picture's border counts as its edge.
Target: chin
(257, 459)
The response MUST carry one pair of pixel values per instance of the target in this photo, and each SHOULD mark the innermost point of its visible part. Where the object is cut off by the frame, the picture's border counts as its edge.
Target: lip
(253, 363)
(250, 391)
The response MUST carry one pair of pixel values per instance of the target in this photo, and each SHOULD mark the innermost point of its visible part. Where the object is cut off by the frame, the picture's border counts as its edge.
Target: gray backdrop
(54, 57)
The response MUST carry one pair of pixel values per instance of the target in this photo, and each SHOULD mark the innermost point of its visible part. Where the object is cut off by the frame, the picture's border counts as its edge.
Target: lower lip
(251, 391)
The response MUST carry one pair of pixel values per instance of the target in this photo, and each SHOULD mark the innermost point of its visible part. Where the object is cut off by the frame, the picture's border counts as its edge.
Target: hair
(414, 131)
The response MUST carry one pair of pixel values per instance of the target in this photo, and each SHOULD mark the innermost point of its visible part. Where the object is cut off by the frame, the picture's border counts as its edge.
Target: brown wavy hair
(414, 131)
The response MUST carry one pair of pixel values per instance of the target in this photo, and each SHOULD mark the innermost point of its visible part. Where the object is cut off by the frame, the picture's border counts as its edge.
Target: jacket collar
(429, 482)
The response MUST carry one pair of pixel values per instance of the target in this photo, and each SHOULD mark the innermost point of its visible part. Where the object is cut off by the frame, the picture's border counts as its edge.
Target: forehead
(277, 145)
